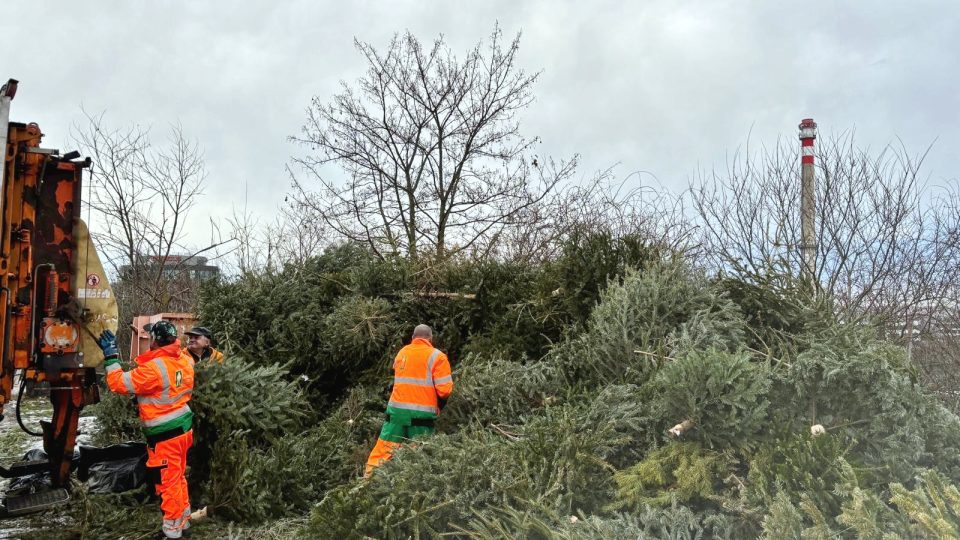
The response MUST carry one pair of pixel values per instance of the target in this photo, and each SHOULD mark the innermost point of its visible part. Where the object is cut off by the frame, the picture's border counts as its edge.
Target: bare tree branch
(887, 245)
(430, 148)
(141, 196)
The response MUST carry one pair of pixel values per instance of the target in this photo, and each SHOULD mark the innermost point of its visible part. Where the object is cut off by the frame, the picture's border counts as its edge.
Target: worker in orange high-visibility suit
(163, 383)
(421, 386)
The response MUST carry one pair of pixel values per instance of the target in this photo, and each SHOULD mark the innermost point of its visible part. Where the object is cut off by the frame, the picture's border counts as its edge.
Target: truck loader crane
(54, 297)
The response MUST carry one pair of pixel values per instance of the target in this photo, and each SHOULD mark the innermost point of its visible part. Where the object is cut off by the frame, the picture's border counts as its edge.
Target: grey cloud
(663, 86)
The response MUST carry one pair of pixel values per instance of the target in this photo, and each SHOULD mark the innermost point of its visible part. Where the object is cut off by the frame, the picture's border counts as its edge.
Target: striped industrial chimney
(808, 244)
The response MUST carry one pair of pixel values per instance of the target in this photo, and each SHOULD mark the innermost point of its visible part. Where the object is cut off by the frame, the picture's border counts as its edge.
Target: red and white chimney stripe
(808, 132)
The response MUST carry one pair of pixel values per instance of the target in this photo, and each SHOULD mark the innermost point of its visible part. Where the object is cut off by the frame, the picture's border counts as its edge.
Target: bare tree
(428, 145)
(294, 236)
(601, 204)
(887, 246)
(936, 353)
(140, 196)
(298, 237)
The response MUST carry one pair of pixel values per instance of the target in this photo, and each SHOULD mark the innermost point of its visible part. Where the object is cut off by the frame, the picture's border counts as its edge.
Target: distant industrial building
(192, 267)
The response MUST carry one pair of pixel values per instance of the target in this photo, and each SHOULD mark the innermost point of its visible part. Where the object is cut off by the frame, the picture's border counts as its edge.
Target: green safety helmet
(163, 332)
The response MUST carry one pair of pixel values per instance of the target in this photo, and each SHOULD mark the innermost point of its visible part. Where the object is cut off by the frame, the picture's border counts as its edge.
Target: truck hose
(23, 385)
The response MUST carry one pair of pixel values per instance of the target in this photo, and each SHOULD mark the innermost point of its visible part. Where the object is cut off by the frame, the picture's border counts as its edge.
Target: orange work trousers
(396, 430)
(170, 457)
(382, 451)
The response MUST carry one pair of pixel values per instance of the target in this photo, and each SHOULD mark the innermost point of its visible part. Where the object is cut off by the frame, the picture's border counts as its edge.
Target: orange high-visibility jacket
(211, 354)
(163, 384)
(421, 374)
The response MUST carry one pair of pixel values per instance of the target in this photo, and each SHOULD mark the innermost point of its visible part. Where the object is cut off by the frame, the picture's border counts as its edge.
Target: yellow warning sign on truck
(98, 305)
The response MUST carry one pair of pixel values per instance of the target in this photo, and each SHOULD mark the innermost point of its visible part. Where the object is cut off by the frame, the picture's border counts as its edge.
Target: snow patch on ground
(15, 443)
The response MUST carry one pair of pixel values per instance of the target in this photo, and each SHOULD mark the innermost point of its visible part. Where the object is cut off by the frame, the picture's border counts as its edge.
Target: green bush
(559, 458)
(521, 311)
(330, 304)
(257, 401)
(567, 375)
(249, 484)
(863, 513)
(589, 262)
(638, 322)
(489, 391)
(252, 480)
(933, 507)
(777, 308)
(723, 394)
(362, 329)
(679, 472)
(240, 396)
(531, 521)
(117, 419)
(347, 311)
(850, 380)
(796, 466)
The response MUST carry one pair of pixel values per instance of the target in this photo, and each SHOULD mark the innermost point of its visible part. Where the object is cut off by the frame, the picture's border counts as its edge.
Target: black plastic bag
(111, 469)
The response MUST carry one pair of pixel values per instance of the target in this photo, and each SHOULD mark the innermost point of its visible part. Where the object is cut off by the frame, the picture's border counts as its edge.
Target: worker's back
(164, 403)
(418, 370)
(421, 385)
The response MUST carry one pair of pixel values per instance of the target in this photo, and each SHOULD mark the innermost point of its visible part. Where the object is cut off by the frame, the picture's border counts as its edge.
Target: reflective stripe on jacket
(421, 374)
(163, 384)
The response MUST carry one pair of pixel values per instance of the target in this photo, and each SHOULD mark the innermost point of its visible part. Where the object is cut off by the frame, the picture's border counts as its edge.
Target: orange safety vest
(421, 374)
(163, 384)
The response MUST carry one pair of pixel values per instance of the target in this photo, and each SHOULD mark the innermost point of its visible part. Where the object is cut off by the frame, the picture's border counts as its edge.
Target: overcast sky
(664, 87)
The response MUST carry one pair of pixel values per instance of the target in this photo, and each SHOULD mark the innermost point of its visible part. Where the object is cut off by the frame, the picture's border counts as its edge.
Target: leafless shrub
(140, 197)
(887, 244)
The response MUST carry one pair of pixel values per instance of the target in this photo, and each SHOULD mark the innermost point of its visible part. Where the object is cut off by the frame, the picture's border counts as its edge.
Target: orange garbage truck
(55, 298)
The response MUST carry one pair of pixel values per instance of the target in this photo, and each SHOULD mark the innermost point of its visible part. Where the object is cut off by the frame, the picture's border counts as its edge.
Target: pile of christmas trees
(625, 397)
(676, 413)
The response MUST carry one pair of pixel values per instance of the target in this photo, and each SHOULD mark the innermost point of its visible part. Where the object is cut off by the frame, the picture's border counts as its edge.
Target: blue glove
(108, 344)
